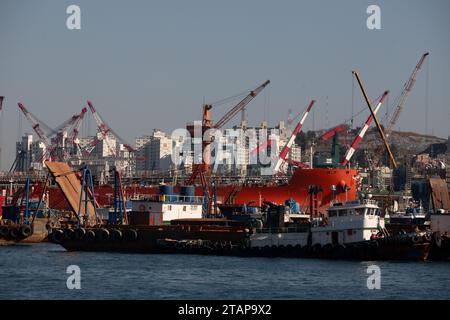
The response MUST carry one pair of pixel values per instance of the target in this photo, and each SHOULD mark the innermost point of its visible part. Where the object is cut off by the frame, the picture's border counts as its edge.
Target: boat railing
(173, 198)
(284, 229)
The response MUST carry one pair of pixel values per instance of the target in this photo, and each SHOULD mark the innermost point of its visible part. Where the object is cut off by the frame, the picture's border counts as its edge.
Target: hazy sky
(150, 64)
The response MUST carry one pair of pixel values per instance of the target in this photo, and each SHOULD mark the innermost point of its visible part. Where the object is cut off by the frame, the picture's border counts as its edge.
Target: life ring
(142, 207)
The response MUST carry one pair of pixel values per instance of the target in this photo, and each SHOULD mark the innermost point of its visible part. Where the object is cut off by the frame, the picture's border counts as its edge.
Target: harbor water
(39, 271)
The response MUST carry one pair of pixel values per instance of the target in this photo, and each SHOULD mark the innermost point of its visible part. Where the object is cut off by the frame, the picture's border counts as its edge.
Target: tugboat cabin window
(332, 213)
(342, 213)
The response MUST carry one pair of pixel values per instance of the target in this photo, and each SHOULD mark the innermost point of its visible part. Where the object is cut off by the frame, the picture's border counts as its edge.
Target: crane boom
(35, 124)
(379, 128)
(362, 132)
(73, 137)
(1, 105)
(404, 95)
(287, 147)
(104, 130)
(241, 105)
(332, 132)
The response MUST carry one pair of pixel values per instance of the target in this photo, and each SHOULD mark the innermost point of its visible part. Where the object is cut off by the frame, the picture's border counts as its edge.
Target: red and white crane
(73, 136)
(104, 130)
(36, 124)
(51, 138)
(332, 132)
(287, 147)
(204, 167)
(74, 131)
(351, 151)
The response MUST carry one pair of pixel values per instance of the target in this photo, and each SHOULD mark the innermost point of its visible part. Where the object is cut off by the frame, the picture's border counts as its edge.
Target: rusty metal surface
(439, 194)
(70, 186)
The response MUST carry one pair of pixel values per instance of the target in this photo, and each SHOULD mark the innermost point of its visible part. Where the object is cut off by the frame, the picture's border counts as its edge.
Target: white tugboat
(352, 222)
(351, 230)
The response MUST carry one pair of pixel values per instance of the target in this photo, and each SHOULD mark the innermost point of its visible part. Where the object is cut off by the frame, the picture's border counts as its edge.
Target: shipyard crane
(73, 130)
(265, 144)
(379, 128)
(51, 138)
(37, 125)
(201, 169)
(335, 147)
(404, 95)
(57, 150)
(262, 146)
(287, 147)
(334, 131)
(59, 141)
(73, 136)
(407, 88)
(1, 105)
(104, 130)
(351, 151)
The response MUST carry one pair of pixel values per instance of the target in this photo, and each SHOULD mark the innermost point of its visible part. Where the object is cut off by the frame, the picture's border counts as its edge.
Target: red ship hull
(344, 181)
(298, 188)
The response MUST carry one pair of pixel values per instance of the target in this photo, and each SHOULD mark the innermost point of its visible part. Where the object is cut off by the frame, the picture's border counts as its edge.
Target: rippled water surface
(39, 272)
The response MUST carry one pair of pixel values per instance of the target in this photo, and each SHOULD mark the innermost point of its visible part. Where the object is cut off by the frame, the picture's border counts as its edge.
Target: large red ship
(330, 185)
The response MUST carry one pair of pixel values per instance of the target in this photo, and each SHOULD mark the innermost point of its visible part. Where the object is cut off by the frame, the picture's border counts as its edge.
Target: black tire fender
(80, 233)
(69, 234)
(437, 239)
(57, 236)
(89, 236)
(26, 231)
(4, 231)
(131, 235)
(14, 232)
(116, 235)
